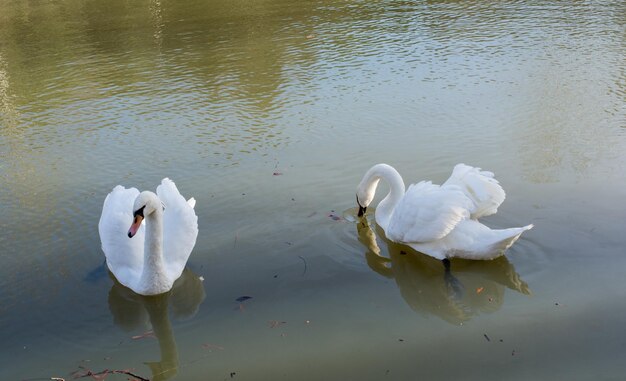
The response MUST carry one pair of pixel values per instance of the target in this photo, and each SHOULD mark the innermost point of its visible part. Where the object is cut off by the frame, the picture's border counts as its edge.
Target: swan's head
(365, 193)
(145, 204)
(367, 187)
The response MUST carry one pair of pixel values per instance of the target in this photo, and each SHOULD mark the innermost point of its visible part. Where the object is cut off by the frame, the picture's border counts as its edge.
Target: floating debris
(243, 298)
(480, 289)
(143, 335)
(276, 323)
(209, 347)
(333, 216)
(486, 337)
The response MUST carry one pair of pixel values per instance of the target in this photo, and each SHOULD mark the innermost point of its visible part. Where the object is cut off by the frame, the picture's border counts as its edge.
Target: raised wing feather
(480, 186)
(124, 256)
(180, 227)
(427, 212)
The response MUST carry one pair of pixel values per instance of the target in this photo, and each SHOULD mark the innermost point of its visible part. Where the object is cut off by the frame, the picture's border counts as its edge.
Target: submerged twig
(303, 260)
(144, 335)
(105, 372)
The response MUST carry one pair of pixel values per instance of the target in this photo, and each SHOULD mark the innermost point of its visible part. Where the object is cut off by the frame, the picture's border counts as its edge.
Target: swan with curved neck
(367, 189)
(150, 255)
(440, 221)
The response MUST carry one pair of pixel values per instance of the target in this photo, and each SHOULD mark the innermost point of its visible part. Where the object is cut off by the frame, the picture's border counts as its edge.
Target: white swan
(150, 262)
(440, 221)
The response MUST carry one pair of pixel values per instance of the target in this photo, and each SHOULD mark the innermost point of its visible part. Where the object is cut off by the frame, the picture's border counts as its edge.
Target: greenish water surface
(269, 113)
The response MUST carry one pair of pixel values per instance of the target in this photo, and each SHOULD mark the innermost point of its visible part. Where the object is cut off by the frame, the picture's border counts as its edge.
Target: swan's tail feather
(192, 202)
(508, 237)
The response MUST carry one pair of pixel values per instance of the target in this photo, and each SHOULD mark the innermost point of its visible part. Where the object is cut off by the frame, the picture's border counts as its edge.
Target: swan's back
(124, 256)
(427, 212)
(180, 228)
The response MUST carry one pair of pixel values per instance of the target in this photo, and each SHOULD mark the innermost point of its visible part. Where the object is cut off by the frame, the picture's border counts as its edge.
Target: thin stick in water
(303, 260)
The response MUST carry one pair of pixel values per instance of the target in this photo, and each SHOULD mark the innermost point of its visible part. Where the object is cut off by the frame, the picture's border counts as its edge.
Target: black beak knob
(361, 211)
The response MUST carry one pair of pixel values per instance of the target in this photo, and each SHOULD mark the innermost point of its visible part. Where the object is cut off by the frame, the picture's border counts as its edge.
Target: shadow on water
(468, 288)
(132, 311)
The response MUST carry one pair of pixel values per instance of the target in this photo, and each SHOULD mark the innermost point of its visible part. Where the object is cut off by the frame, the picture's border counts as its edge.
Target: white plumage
(479, 186)
(441, 220)
(150, 261)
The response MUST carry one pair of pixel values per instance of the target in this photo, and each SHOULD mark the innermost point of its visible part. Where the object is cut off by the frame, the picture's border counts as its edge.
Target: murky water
(269, 113)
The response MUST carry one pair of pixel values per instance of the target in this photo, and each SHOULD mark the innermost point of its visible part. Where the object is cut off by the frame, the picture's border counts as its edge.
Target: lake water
(269, 113)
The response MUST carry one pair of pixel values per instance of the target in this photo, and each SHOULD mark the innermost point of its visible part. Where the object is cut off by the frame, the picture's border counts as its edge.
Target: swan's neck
(385, 208)
(153, 276)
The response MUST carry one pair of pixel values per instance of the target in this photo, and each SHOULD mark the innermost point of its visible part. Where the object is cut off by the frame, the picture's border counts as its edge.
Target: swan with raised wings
(147, 237)
(440, 220)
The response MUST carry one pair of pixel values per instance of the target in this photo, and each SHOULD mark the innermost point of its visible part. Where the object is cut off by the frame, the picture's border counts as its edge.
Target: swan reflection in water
(132, 311)
(454, 293)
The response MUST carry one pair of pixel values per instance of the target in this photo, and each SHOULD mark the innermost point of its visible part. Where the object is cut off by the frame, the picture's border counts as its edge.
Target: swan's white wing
(480, 186)
(180, 228)
(427, 212)
(124, 255)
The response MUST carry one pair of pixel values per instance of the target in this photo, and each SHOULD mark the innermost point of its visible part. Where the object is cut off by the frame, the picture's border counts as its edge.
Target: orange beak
(135, 226)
